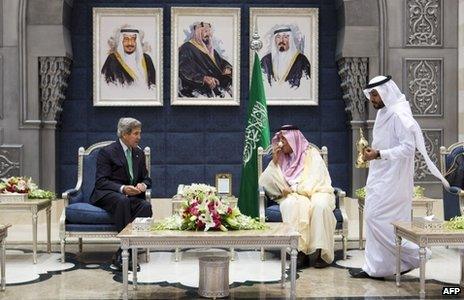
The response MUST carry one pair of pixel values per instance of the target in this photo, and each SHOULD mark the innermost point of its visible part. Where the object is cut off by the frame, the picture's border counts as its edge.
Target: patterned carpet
(20, 269)
(444, 265)
(247, 267)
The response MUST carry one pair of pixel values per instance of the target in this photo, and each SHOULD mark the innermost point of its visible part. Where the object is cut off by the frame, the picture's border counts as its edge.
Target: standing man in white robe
(390, 182)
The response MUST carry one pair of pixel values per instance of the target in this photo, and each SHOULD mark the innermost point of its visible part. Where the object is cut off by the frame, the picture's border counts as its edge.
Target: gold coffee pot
(361, 144)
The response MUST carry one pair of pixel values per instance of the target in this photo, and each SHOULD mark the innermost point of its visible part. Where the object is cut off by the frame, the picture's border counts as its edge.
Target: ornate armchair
(269, 210)
(453, 200)
(80, 218)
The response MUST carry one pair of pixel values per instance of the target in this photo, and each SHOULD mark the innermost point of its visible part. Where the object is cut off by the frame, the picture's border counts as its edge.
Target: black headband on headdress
(289, 127)
(282, 30)
(369, 86)
(201, 24)
(130, 30)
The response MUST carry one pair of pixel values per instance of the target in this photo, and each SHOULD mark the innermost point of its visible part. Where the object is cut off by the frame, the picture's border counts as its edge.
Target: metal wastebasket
(214, 276)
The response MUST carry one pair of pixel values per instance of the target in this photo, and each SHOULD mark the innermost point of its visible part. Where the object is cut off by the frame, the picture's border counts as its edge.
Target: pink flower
(193, 209)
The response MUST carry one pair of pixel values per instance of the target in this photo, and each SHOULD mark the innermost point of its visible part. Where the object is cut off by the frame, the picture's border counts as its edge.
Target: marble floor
(89, 275)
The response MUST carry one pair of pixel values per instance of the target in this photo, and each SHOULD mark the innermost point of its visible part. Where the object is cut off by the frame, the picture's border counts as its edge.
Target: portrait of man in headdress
(285, 62)
(289, 56)
(127, 56)
(203, 71)
(128, 63)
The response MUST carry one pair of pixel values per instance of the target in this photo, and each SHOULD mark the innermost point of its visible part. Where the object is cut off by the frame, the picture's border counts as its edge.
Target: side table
(3, 235)
(33, 206)
(426, 238)
(416, 202)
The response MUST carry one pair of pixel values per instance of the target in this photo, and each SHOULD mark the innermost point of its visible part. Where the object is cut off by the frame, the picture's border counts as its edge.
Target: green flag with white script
(256, 135)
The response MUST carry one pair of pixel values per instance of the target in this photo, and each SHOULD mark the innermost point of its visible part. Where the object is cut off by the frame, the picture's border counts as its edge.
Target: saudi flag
(256, 135)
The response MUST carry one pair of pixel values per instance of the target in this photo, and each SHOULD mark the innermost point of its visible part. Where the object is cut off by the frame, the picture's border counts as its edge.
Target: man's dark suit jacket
(112, 171)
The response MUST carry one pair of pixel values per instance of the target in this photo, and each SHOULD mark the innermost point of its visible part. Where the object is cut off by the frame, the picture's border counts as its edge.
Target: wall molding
(24, 122)
(353, 73)
(423, 82)
(423, 23)
(54, 74)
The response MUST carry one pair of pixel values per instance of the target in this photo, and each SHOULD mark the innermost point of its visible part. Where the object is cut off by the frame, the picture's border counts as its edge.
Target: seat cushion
(273, 213)
(85, 213)
(91, 227)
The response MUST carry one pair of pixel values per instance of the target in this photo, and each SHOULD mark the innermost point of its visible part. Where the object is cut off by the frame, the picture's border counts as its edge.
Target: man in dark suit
(122, 179)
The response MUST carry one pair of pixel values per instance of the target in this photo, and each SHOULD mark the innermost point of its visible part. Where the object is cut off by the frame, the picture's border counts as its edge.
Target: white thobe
(389, 191)
(309, 209)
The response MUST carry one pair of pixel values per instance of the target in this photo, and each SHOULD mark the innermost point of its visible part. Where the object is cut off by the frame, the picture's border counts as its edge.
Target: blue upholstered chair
(453, 200)
(270, 210)
(80, 218)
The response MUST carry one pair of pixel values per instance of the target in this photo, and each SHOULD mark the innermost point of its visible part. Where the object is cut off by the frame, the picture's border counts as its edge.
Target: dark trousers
(124, 209)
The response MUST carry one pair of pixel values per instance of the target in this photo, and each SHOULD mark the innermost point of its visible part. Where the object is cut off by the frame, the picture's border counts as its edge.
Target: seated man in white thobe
(298, 179)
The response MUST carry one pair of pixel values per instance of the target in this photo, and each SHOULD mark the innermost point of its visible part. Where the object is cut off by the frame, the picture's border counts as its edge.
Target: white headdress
(395, 103)
(134, 59)
(282, 61)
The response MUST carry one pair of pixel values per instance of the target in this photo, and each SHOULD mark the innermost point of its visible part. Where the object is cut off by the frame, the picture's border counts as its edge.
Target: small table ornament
(428, 223)
(142, 224)
(13, 197)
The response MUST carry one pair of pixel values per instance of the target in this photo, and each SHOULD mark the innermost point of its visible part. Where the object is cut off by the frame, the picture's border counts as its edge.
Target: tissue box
(13, 198)
(142, 224)
(433, 224)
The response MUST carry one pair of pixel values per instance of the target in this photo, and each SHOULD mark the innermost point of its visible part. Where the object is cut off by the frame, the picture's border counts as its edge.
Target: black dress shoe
(117, 262)
(118, 266)
(130, 266)
(407, 271)
(320, 263)
(302, 260)
(360, 273)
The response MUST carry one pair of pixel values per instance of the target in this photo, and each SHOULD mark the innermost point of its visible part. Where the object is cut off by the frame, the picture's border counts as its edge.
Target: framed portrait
(289, 56)
(205, 59)
(127, 56)
(224, 184)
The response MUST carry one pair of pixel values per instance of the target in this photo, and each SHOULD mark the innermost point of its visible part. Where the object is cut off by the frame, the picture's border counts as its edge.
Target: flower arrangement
(203, 209)
(417, 192)
(456, 223)
(24, 185)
